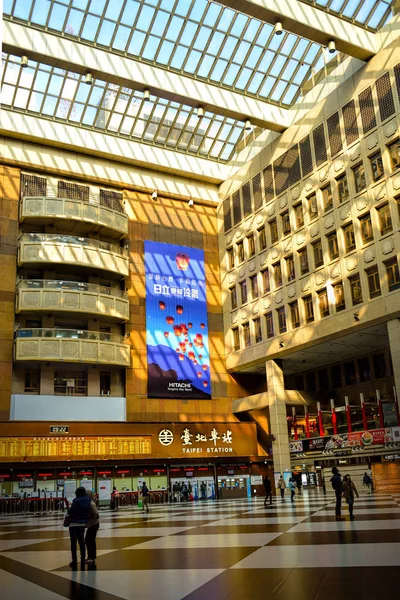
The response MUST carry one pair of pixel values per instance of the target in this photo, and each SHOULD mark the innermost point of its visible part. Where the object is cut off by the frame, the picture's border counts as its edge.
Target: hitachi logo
(182, 386)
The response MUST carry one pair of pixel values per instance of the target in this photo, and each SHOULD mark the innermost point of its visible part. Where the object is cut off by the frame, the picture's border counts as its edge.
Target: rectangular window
(240, 252)
(294, 314)
(385, 219)
(233, 295)
(379, 365)
(303, 256)
(277, 274)
(392, 274)
(105, 383)
(230, 258)
(310, 381)
(273, 231)
(254, 287)
(246, 335)
(360, 183)
(262, 239)
(333, 247)
(355, 288)
(285, 222)
(336, 376)
(340, 302)
(290, 272)
(266, 285)
(343, 188)
(366, 228)
(32, 381)
(350, 373)
(257, 330)
(308, 309)
(327, 197)
(323, 380)
(318, 254)
(281, 319)
(312, 206)
(70, 384)
(349, 237)
(323, 303)
(243, 292)
(269, 321)
(394, 152)
(374, 284)
(364, 369)
(235, 339)
(376, 166)
(299, 215)
(251, 246)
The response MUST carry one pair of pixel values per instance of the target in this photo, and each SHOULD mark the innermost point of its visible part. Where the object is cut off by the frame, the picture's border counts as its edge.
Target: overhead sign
(352, 442)
(176, 322)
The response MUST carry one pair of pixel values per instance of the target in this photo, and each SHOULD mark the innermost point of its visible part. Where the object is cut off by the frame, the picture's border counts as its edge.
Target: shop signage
(256, 479)
(352, 442)
(176, 322)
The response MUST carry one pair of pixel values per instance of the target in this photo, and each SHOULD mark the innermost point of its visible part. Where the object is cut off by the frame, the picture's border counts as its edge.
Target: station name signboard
(176, 322)
(351, 442)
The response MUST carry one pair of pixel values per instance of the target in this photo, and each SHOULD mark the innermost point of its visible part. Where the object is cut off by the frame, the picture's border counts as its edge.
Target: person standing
(349, 491)
(336, 481)
(78, 515)
(282, 487)
(367, 481)
(268, 490)
(292, 487)
(298, 483)
(145, 497)
(92, 527)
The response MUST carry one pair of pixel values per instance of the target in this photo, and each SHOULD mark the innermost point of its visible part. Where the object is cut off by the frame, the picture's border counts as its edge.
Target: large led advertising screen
(178, 358)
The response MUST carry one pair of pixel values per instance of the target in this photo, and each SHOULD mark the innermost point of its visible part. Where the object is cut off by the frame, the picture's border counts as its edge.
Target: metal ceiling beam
(311, 23)
(80, 58)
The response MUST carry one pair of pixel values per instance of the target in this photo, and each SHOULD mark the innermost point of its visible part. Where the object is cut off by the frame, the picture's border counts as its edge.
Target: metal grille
(268, 183)
(73, 191)
(281, 174)
(246, 199)
(257, 191)
(32, 185)
(385, 96)
(293, 165)
(227, 214)
(397, 76)
(237, 212)
(306, 156)
(367, 110)
(350, 122)
(334, 135)
(111, 199)
(319, 144)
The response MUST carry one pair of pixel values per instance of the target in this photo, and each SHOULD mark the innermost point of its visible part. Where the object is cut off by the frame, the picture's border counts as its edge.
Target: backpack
(336, 483)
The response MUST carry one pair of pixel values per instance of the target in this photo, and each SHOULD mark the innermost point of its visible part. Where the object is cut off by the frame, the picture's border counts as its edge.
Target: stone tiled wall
(9, 196)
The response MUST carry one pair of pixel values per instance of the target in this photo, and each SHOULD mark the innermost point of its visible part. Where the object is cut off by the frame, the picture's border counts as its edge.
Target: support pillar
(393, 328)
(277, 415)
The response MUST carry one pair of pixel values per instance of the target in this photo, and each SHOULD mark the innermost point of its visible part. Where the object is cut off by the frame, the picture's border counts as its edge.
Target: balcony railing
(71, 296)
(105, 213)
(71, 345)
(75, 250)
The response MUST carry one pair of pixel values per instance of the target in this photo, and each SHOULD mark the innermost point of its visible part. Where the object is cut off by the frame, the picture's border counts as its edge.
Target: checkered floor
(213, 550)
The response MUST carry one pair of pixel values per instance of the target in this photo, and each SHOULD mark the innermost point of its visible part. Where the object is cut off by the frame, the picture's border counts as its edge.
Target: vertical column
(393, 328)
(277, 415)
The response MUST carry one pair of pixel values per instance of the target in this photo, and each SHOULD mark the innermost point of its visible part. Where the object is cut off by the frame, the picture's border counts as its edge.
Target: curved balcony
(95, 215)
(71, 345)
(41, 248)
(71, 296)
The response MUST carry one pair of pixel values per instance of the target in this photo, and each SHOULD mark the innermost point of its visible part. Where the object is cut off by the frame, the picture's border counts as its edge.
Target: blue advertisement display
(176, 322)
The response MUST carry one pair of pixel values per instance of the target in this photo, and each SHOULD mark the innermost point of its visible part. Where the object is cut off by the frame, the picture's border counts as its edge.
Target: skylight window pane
(377, 16)
(239, 24)
(126, 126)
(231, 74)
(83, 92)
(57, 18)
(364, 11)
(278, 91)
(252, 30)
(35, 102)
(264, 35)
(128, 16)
(7, 94)
(278, 65)
(188, 33)
(241, 52)
(226, 20)
(40, 11)
(22, 9)
(90, 28)
(243, 78)
(216, 42)
(206, 66)
(300, 49)
(74, 22)
(219, 70)
(135, 47)
(49, 105)
(254, 57)
(202, 38)
(121, 37)
(290, 94)
(289, 70)
(145, 18)
(160, 23)
(113, 9)
(351, 8)
(256, 82)
(151, 47)
(106, 33)
(76, 112)
(213, 12)
(267, 86)
(289, 43)
(192, 61)
(174, 28)
(90, 115)
(55, 85)
(165, 52)
(7, 6)
(138, 129)
(311, 54)
(182, 8)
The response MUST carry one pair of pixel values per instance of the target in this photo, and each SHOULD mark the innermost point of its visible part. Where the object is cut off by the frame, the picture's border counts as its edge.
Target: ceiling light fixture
(200, 112)
(88, 79)
(146, 95)
(278, 28)
(331, 46)
(281, 344)
(24, 61)
(247, 125)
(190, 203)
(154, 195)
(356, 317)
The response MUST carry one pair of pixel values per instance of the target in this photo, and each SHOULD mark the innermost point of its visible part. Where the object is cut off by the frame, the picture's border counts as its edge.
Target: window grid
(32, 185)
(355, 289)
(364, 13)
(334, 134)
(374, 284)
(367, 110)
(227, 214)
(392, 274)
(319, 145)
(385, 97)
(350, 122)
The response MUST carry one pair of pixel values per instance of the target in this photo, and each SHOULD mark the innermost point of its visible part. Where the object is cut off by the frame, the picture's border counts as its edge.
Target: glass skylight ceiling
(198, 38)
(369, 13)
(54, 93)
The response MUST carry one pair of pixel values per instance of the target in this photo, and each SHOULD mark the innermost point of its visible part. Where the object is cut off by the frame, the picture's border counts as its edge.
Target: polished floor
(236, 550)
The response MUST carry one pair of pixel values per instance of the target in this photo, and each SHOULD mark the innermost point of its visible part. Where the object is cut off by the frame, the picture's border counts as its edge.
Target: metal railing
(77, 334)
(72, 239)
(131, 499)
(22, 506)
(87, 198)
(78, 286)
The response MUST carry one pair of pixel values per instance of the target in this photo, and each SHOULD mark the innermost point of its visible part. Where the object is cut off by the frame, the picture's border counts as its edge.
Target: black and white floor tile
(234, 550)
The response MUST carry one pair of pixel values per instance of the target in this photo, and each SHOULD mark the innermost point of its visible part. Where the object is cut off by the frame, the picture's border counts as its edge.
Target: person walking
(367, 481)
(336, 481)
(292, 487)
(145, 497)
(92, 527)
(349, 491)
(298, 483)
(268, 490)
(78, 514)
(282, 487)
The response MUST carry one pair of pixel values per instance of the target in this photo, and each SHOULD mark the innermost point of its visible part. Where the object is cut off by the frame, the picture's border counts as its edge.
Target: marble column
(277, 413)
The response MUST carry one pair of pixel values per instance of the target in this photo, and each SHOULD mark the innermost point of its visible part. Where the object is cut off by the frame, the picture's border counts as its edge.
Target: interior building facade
(264, 136)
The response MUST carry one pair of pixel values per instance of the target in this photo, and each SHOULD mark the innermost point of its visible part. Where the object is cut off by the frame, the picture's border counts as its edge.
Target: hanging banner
(348, 441)
(176, 322)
